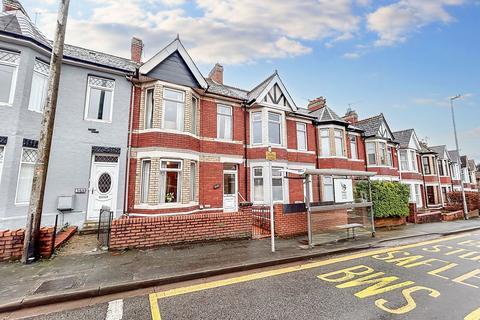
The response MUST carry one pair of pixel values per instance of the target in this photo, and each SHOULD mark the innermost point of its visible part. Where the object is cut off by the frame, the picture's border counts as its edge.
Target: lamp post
(465, 213)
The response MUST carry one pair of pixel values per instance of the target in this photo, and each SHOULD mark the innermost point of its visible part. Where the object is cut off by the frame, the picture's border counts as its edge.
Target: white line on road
(115, 310)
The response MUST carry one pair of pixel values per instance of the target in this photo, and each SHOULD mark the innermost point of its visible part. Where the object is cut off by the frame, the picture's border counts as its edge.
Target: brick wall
(11, 243)
(145, 232)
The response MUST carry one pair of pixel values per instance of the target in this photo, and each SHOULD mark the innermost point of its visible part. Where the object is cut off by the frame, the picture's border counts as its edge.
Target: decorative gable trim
(416, 142)
(3, 140)
(271, 96)
(109, 150)
(29, 143)
(175, 45)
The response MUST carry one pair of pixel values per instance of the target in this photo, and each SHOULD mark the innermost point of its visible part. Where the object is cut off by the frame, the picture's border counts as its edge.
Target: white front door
(103, 185)
(229, 190)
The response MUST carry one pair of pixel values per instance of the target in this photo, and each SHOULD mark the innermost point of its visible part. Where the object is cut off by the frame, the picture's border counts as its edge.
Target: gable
(276, 96)
(414, 143)
(174, 70)
(384, 131)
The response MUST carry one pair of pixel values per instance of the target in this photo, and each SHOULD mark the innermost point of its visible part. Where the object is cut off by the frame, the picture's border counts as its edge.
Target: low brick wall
(390, 222)
(289, 224)
(452, 216)
(146, 232)
(11, 243)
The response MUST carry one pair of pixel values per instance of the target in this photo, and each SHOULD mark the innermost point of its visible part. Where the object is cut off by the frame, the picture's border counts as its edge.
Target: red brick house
(444, 170)
(431, 178)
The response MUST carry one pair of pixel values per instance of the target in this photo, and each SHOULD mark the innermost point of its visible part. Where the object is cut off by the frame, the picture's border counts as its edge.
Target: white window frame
(383, 153)
(18, 177)
(301, 129)
(195, 113)
(13, 84)
(163, 178)
(193, 181)
(3, 149)
(44, 76)
(340, 137)
(324, 193)
(389, 156)
(369, 153)
(262, 177)
(253, 121)
(404, 160)
(324, 151)
(221, 115)
(150, 125)
(279, 122)
(87, 100)
(283, 184)
(180, 111)
(413, 160)
(144, 196)
(353, 146)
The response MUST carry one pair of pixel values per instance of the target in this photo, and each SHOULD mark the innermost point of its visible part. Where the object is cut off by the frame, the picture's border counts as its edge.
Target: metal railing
(104, 226)
(260, 222)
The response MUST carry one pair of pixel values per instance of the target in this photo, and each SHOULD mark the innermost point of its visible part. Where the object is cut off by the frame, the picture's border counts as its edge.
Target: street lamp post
(465, 213)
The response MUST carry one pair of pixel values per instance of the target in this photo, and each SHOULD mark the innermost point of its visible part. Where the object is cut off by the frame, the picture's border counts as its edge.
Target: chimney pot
(216, 74)
(351, 116)
(316, 104)
(136, 49)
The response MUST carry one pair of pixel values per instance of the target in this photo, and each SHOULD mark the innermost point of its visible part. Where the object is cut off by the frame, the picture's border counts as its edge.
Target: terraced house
(87, 163)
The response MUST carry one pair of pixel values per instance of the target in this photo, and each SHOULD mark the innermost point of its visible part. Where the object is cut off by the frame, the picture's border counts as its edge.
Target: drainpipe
(245, 145)
(439, 180)
(316, 160)
(424, 184)
(129, 146)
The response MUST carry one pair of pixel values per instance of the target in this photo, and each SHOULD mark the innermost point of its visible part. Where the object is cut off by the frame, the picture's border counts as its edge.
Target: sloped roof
(226, 91)
(326, 114)
(454, 155)
(255, 92)
(13, 5)
(424, 149)
(16, 23)
(440, 150)
(372, 125)
(403, 137)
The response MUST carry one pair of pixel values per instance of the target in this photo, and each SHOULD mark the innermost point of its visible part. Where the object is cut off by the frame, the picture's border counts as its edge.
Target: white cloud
(393, 23)
(227, 31)
(351, 55)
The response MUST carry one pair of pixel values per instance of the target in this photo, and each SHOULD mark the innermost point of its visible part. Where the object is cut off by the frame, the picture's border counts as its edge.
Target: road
(435, 279)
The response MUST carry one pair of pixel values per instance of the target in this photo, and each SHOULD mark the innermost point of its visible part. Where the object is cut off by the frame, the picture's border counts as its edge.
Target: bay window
(224, 122)
(170, 181)
(274, 128)
(383, 153)
(99, 102)
(440, 168)
(325, 142)
(390, 156)
(257, 127)
(25, 175)
(418, 195)
(338, 134)
(277, 184)
(174, 106)
(149, 108)
(258, 185)
(193, 181)
(38, 91)
(328, 189)
(404, 160)
(145, 182)
(301, 136)
(371, 153)
(413, 161)
(8, 75)
(353, 147)
(194, 115)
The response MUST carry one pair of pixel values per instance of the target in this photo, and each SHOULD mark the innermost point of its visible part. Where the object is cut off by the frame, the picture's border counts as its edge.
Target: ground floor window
(328, 189)
(277, 184)
(145, 183)
(258, 190)
(193, 181)
(25, 175)
(170, 181)
(444, 192)
(418, 195)
(2, 156)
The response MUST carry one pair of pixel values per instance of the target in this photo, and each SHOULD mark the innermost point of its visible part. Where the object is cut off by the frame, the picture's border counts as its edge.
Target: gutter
(129, 146)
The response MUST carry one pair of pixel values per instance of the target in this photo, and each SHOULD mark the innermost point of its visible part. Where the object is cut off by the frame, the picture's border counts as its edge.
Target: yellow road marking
(475, 315)
(265, 274)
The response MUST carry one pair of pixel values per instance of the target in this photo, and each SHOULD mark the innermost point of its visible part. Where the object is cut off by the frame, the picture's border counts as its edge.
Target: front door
(103, 185)
(430, 195)
(229, 190)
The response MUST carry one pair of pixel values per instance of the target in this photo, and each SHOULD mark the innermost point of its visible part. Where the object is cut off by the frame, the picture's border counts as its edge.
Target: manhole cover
(59, 284)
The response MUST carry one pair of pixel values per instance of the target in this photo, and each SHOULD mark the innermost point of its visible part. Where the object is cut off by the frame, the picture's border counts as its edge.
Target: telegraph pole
(31, 245)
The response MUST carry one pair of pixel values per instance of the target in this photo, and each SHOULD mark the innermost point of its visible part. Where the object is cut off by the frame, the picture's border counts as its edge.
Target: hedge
(390, 199)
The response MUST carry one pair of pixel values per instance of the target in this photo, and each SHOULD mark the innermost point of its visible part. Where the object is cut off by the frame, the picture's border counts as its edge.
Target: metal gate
(260, 222)
(104, 226)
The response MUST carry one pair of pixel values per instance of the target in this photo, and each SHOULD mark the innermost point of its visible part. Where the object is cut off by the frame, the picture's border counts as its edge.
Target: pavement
(92, 273)
(429, 279)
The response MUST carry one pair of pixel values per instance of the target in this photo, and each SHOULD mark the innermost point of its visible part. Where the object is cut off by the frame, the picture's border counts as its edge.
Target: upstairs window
(170, 181)
(390, 156)
(38, 92)
(25, 175)
(174, 106)
(325, 142)
(404, 160)
(149, 108)
(371, 153)
(426, 165)
(256, 128)
(353, 147)
(224, 122)
(413, 161)
(145, 184)
(99, 99)
(274, 128)
(8, 75)
(338, 142)
(194, 115)
(382, 147)
(440, 167)
(301, 136)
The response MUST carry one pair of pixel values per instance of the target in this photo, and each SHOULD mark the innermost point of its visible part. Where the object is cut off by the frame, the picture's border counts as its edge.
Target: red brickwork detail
(412, 176)
(340, 163)
(445, 180)
(385, 171)
(165, 139)
(290, 224)
(431, 179)
(11, 243)
(145, 232)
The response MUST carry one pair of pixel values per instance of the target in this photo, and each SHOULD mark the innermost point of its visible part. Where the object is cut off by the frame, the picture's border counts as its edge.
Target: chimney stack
(136, 49)
(216, 74)
(316, 104)
(351, 116)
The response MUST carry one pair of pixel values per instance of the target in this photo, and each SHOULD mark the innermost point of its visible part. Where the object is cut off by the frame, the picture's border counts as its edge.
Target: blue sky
(403, 58)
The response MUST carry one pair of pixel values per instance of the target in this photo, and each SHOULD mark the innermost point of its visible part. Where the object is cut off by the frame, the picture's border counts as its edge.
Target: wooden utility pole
(31, 245)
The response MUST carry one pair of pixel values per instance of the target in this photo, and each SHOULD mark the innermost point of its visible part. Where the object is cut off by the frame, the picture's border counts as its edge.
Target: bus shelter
(346, 216)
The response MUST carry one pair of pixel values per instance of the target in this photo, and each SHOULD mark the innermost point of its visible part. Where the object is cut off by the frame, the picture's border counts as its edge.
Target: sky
(404, 58)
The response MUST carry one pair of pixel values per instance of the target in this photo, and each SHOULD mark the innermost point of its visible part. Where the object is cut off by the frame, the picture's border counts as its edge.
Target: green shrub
(390, 199)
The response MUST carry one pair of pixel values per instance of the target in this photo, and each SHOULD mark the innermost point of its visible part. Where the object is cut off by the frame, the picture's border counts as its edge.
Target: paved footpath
(433, 279)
